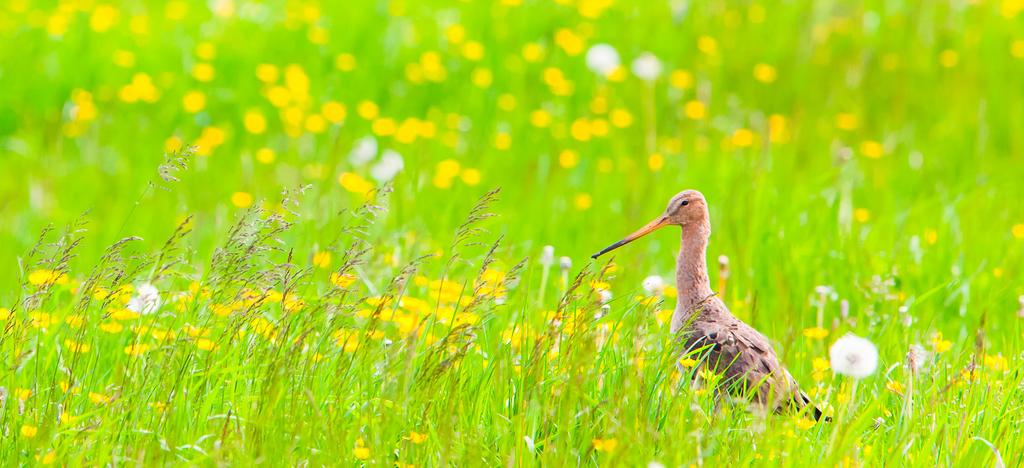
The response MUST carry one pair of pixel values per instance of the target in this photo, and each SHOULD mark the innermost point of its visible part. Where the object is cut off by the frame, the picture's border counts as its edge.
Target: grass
(861, 161)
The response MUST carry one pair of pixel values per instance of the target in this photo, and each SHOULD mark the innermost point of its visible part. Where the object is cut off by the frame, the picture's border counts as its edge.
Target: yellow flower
(124, 314)
(416, 437)
(846, 121)
(322, 259)
(939, 344)
(862, 215)
(205, 344)
(997, 363)
(815, 333)
(40, 277)
(345, 62)
(342, 280)
(265, 155)
(5, 314)
(895, 387)
(99, 398)
(568, 159)
(76, 347)
(254, 122)
(241, 199)
(804, 423)
(821, 365)
(193, 101)
(48, 458)
(765, 73)
(29, 431)
(655, 162)
(203, 72)
(22, 394)
(470, 176)
(267, 73)
(111, 327)
(136, 349)
(368, 110)
(354, 183)
(695, 110)
(688, 362)
(872, 149)
(681, 79)
(582, 201)
(605, 445)
(1018, 230)
(333, 111)
(361, 451)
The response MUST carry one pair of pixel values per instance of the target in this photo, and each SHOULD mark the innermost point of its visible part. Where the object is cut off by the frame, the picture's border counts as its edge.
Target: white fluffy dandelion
(390, 164)
(565, 263)
(364, 150)
(146, 299)
(853, 356)
(653, 285)
(647, 67)
(602, 59)
(547, 256)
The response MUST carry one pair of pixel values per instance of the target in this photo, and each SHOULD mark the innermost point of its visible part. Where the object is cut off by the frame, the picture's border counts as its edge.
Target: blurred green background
(835, 141)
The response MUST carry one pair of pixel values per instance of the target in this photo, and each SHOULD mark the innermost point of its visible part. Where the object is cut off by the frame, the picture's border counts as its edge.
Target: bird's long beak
(661, 221)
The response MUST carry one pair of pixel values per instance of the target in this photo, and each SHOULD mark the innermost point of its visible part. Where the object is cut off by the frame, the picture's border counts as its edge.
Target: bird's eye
(684, 203)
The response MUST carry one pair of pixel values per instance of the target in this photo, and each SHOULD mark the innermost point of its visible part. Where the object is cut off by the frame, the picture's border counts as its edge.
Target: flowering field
(358, 233)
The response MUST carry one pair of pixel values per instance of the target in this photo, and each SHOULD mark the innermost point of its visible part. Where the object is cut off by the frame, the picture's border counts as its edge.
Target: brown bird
(741, 355)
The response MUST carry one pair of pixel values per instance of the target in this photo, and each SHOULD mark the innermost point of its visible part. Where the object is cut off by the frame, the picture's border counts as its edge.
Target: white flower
(917, 357)
(547, 256)
(363, 151)
(647, 67)
(390, 164)
(604, 295)
(565, 263)
(653, 285)
(602, 59)
(853, 356)
(146, 299)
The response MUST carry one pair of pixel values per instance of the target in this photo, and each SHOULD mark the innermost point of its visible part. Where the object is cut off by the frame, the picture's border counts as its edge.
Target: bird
(742, 356)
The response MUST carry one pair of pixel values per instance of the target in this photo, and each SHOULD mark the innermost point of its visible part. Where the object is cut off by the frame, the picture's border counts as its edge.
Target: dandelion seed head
(146, 299)
(547, 256)
(647, 67)
(653, 284)
(853, 356)
(602, 59)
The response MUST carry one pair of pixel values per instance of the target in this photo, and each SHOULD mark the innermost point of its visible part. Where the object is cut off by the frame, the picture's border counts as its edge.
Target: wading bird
(741, 355)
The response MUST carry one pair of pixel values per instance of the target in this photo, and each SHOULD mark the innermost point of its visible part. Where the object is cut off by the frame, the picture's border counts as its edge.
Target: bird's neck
(694, 287)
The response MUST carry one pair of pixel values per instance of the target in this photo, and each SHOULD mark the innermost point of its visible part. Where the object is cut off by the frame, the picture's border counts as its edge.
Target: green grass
(878, 153)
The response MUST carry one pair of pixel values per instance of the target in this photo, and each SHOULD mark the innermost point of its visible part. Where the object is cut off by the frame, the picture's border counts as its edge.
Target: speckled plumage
(743, 356)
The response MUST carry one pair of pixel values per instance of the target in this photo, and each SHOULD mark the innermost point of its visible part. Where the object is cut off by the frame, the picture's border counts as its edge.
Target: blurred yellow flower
(203, 72)
(1018, 230)
(354, 183)
(540, 118)
(205, 344)
(568, 159)
(455, 33)
(655, 162)
(322, 259)
(695, 110)
(939, 344)
(482, 78)
(345, 62)
(765, 73)
(872, 149)
(582, 201)
(416, 437)
(254, 122)
(193, 101)
(103, 17)
(342, 280)
(894, 386)
(267, 73)
(949, 58)
(29, 431)
(470, 176)
(815, 333)
(473, 50)
(136, 349)
(804, 423)
(367, 110)
(333, 111)
(681, 79)
(846, 121)
(605, 445)
(532, 52)
(571, 43)
(241, 199)
(861, 215)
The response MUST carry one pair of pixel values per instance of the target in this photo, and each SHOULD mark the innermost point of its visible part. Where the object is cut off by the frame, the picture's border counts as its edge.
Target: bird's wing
(743, 357)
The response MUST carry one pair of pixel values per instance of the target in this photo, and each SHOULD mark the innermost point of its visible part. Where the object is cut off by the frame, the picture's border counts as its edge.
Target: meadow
(301, 233)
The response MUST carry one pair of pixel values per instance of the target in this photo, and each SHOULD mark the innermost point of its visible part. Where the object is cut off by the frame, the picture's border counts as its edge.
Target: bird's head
(687, 209)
